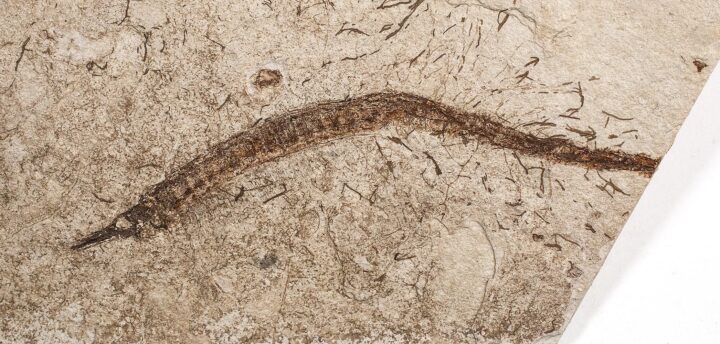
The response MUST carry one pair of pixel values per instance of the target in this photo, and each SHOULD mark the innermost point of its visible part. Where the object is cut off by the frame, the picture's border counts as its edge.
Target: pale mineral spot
(327, 171)
(466, 263)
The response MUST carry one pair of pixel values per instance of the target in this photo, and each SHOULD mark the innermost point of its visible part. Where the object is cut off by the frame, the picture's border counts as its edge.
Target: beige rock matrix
(394, 171)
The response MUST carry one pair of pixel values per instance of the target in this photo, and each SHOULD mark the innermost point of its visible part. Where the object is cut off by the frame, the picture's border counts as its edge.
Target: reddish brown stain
(700, 65)
(267, 78)
(317, 124)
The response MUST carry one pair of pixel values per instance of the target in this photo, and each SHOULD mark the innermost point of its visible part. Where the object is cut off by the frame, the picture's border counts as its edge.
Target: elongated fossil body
(316, 124)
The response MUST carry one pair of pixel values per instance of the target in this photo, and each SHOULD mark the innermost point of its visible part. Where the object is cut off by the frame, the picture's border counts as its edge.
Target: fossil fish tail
(316, 124)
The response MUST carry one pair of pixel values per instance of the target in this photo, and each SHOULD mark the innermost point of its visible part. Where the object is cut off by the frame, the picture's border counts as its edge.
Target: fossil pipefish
(316, 124)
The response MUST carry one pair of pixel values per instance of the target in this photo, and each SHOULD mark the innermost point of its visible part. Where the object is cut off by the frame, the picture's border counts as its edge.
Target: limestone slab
(327, 171)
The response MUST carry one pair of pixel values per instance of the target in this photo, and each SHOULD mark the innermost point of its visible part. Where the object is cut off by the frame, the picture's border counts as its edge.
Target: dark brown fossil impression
(315, 124)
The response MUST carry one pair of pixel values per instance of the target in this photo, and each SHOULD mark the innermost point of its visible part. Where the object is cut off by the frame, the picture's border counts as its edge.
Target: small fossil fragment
(315, 124)
(267, 78)
(699, 65)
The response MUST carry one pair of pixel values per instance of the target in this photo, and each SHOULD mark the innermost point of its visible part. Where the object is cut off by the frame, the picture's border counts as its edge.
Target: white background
(661, 281)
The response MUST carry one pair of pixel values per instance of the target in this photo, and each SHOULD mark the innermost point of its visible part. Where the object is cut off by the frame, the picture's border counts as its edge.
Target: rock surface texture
(389, 171)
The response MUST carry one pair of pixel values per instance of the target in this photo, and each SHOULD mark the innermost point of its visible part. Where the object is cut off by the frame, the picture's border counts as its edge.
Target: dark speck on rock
(267, 78)
(267, 261)
(700, 65)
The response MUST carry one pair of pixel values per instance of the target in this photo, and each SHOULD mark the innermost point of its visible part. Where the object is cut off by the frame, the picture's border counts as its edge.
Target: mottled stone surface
(391, 236)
